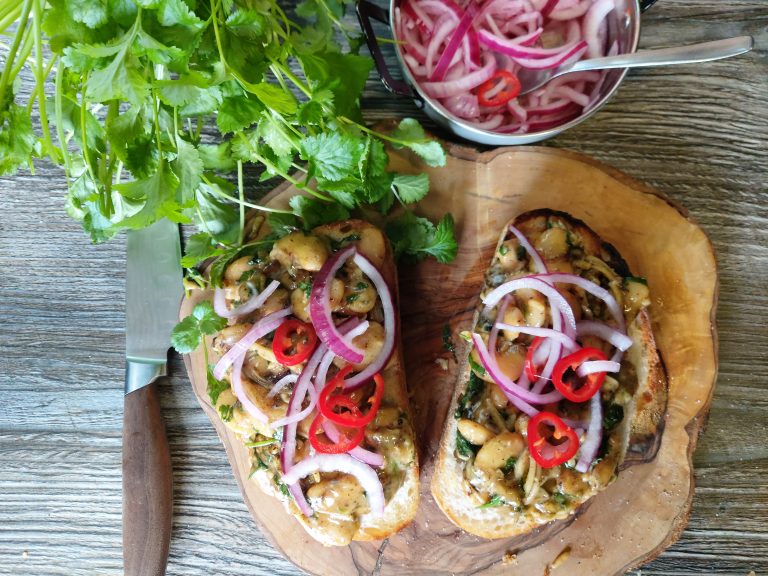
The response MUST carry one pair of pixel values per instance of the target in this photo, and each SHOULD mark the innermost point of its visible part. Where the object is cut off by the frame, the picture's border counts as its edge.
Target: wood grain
(650, 503)
(147, 485)
(699, 134)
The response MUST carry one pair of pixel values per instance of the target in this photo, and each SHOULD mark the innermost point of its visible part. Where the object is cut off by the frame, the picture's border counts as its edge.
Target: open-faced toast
(299, 305)
(527, 440)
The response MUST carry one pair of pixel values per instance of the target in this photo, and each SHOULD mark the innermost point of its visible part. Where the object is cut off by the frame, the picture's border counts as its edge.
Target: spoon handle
(702, 52)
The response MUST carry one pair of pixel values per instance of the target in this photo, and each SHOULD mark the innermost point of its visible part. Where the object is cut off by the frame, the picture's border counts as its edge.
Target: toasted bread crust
(401, 508)
(639, 432)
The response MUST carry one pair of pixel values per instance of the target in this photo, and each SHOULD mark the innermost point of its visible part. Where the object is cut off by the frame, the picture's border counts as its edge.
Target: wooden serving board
(641, 513)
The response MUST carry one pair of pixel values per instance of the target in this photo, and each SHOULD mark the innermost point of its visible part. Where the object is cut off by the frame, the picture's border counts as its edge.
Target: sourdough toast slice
(340, 507)
(485, 479)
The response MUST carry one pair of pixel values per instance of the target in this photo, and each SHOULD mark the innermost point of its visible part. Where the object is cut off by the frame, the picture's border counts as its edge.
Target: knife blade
(153, 292)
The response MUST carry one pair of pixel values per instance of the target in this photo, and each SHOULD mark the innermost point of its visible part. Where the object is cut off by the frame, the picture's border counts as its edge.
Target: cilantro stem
(58, 111)
(14, 49)
(226, 196)
(242, 199)
(293, 78)
(26, 50)
(39, 72)
(216, 33)
(379, 134)
(83, 137)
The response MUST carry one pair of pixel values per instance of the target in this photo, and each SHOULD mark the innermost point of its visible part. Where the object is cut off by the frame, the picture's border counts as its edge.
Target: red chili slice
(531, 370)
(510, 89)
(550, 440)
(329, 400)
(294, 342)
(349, 439)
(571, 385)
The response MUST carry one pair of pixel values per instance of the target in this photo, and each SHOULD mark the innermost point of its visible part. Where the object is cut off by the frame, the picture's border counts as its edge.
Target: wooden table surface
(697, 133)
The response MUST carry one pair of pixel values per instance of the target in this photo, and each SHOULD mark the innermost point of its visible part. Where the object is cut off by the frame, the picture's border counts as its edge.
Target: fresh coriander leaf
(217, 156)
(185, 336)
(275, 137)
(189, 168)
(283, 224)
(411, 188)
(316, 213)
(494, 502)
(92, 13)
(334, 155)
(237, 113)
(178, 13)
(410, 134)
(17, 138)
(275, 98)
(215, 387)
(347, 74)
(247, 24)
(158, 195)
(418, 237)
(208, 321)
(306, 287)
(219, 218)
(199, 247)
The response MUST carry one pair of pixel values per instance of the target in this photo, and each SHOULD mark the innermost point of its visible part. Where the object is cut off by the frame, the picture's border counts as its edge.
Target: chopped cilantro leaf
(509, 465)
(494, 502)
(187, 334)
(226, 411)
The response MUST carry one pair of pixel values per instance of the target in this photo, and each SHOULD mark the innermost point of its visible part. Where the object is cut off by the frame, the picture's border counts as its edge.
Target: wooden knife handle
(147, 485)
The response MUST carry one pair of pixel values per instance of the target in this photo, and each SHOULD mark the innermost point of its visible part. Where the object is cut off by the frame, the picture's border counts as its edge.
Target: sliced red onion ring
(591, 443)
(505, 382)
(299, 416)
(357, 452)
(572, 53)
(288, 446)
(540, 267)
(515, 50)
(444, 27)
(491, 123)
(604, 332)
(557, 302)
(464, 84)
(566, 341)
(597, 13)
(258, 330)
(282, 383)
(320, 307)
(253, 303)
(572, 12)
(390, 324)
(548, 7)
(596, 366)
(344, 464)
(595, 290)
(239, 391)
(453, 44)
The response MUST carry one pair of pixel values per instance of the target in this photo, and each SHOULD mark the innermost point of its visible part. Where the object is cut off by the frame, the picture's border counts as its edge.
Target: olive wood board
(647, 507)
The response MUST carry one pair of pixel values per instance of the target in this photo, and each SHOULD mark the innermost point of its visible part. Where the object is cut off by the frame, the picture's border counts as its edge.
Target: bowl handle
(645, 4)
(365, 12)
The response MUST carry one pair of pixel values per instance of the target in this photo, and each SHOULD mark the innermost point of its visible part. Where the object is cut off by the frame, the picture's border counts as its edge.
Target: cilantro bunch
(160, 106)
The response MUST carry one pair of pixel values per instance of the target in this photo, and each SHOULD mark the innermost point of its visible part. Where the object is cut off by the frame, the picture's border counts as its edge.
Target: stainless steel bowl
(623, 27)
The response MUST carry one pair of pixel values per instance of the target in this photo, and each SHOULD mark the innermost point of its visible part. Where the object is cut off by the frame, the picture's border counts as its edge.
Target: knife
(153, 292)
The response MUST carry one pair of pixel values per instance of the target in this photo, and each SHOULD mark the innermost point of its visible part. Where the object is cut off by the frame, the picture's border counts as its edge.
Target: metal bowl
(623, 27)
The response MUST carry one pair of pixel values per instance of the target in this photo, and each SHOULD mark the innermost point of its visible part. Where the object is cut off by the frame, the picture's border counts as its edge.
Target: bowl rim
(486, 136)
